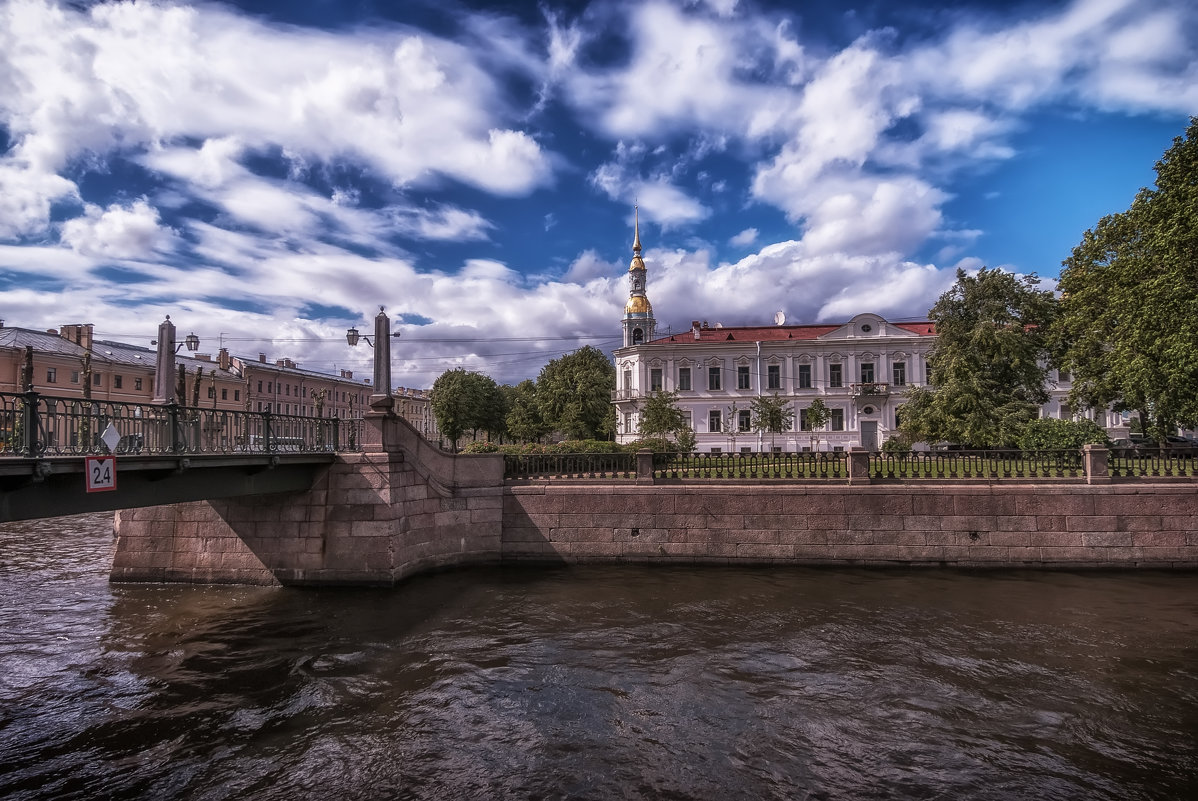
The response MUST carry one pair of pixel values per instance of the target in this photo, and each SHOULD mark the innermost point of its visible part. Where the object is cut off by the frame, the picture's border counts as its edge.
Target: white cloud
(745, 237)
(414, 107)
(118, 232)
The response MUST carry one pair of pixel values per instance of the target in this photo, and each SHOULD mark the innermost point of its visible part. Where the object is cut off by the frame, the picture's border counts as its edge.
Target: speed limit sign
(101, 473)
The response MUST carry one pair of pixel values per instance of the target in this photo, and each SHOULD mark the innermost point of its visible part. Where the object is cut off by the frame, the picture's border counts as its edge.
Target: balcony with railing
(870, 389)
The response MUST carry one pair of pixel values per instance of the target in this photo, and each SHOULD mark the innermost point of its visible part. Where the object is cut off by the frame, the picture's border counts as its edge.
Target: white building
(861, 370)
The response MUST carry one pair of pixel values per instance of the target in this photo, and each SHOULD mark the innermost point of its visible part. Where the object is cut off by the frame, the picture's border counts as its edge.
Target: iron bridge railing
(773, 465)
(35, 425)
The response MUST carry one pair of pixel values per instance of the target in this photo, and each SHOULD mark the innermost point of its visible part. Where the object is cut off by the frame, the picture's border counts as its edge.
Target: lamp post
(381, 399)
(164, 371)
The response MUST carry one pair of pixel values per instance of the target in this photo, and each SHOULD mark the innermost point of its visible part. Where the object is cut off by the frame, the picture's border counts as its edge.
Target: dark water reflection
(612, 682)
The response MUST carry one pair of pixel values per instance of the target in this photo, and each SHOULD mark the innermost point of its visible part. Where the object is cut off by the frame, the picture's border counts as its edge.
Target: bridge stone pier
(400, 507)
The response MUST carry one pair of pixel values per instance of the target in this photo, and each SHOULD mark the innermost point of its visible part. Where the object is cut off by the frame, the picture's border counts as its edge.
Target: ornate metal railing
(36, 425)
(977, 464)
(813, 465)
(570, 465)
(1153, 462)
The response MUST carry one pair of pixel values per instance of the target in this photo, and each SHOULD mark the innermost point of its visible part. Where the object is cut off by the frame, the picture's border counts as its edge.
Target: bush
(897, 443)
(480, 447)
(1049, 434)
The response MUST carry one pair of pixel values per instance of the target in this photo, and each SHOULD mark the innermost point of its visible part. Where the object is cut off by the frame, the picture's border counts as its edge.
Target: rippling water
(603, 682)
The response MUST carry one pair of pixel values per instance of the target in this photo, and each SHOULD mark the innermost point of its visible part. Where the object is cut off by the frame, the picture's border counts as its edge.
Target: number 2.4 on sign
(100, 473)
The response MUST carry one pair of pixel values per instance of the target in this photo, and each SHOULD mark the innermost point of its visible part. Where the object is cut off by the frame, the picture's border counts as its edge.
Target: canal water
(593, 683)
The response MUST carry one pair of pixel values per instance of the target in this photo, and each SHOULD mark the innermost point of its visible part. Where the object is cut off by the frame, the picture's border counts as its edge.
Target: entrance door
(869, 435)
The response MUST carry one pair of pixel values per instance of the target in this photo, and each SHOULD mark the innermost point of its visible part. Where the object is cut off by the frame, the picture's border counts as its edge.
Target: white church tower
(639, 325)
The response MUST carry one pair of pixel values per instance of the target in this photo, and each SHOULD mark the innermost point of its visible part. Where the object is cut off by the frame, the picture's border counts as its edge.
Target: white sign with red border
(100, 473)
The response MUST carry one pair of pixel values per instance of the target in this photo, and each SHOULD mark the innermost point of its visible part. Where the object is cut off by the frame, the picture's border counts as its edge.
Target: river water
(593, 683)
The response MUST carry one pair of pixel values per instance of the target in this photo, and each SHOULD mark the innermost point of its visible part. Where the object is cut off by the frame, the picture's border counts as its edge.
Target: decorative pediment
(657, 362)
(775, 359)
(686, 362)
(715, 361)
(627, 364)
(865, 326)
(804, 358)
(743, 361)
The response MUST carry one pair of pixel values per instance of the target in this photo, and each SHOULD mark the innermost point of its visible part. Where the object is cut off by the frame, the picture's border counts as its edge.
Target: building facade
(861, 370)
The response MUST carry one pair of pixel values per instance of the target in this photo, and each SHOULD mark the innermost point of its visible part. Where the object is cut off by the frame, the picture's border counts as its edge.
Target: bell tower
(639, 325)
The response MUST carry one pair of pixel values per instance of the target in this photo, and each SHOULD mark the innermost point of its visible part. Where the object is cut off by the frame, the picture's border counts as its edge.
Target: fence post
(1094, 461)
(267, 434)
(858, 465)
(644, 466)
(172, 421)
(30, 421)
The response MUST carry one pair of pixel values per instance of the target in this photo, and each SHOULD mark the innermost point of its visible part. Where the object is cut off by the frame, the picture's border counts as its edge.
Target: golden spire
(636, 237)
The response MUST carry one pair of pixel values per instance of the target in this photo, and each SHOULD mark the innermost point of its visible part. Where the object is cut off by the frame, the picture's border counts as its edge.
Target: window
(628, 423)
(74, 376)
(96, 379)
(867, 372)
(742, 376)
(638, 336)
(804, 376)
(655, 380)
(1066, 411)
(224, 394)
(259, 389)
(713, 420)
(259, 405)
(835, 375)
(773, 377)
(1063, 376)
(900, 373)
(212, 392)
(837, 419)
(137, 383)
(804, 421)
(270, 387)
(118, 381)
(684, 378)
(51, 375)
(744, 420)
(713, 378)
(628, 380)
(286, 389)
(237, 394)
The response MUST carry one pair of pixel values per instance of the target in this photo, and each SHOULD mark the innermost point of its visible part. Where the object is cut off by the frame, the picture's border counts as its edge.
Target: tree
(660, 415)
(818, 415)
(524, 420)
(1049, 434)
(574, 394)
(772, 414)
(465, 401)
(1128, 327)
(989, 364)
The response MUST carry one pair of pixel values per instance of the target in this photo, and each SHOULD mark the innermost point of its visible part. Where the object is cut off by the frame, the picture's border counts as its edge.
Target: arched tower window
(638, 336)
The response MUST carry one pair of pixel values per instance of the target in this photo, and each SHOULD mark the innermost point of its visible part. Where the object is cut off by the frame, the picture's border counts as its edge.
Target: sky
(270, 173)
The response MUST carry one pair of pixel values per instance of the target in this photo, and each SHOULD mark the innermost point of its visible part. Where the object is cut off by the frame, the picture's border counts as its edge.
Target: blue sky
(269, 173)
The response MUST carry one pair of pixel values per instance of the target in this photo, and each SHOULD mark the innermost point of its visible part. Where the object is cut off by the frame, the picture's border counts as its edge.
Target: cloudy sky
(270, 173)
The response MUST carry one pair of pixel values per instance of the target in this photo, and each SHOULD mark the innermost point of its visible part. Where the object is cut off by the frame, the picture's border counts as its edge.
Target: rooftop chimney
(223, 359)
(262, 358)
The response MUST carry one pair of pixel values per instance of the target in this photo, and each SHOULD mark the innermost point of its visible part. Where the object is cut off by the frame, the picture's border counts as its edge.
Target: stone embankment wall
(374, 518)
(1007, 525)
(403, 507)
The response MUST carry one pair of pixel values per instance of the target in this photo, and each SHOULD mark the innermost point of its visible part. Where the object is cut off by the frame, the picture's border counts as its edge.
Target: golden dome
(637, 263)
(638, 304)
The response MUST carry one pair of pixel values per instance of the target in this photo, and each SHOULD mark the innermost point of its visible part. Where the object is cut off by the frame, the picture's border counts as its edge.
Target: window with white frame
(713, 378)
(867, 372)
(804, 376)
(742, 376)
(899, 373)
(684, 378)
(655, 380)
(627, 380)
(744, 420)
(51, 375)
(773, 376)
(713, 420)
(804, 420)
(837, 419)
(835, 375)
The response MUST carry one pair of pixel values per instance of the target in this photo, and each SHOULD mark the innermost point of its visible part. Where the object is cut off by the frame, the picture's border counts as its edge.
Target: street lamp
(164, 372)
(381, 399)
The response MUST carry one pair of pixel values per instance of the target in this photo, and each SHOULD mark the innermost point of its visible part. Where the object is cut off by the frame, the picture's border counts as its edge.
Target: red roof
(776, 333)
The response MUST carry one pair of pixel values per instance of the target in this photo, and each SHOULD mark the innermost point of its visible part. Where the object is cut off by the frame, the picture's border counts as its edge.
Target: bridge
(165, 453)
